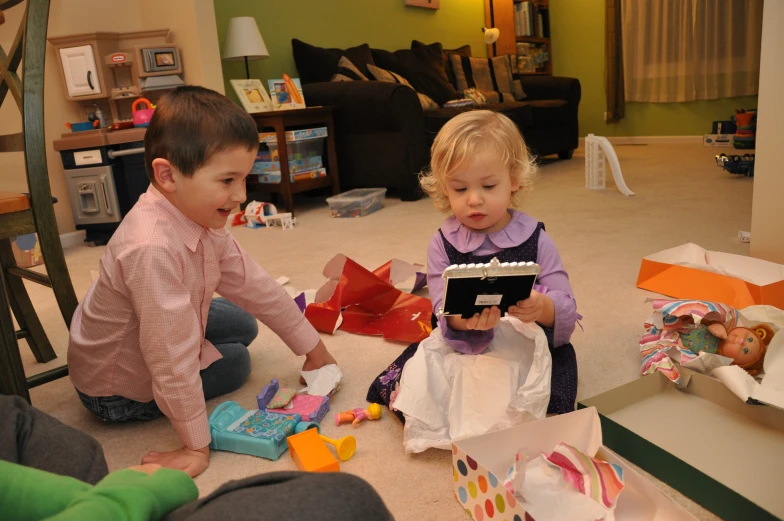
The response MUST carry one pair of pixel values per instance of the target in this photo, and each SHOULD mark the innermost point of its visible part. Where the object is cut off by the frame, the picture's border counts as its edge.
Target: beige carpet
(602, 235)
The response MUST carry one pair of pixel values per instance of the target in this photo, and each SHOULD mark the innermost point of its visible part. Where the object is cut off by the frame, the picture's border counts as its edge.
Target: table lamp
(243, 41)
(491, 35)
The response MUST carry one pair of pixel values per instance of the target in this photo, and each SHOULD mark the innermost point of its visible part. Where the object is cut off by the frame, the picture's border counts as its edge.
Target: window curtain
(613, 62)
(687, 50)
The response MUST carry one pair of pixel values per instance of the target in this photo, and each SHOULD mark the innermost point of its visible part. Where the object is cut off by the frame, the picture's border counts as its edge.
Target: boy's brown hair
(191, 124)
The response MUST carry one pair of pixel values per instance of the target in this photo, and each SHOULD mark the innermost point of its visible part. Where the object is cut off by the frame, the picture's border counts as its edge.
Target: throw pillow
(316, 64)
(465, 50)
(493, 77)
(347, 71)
(475, 95)
(422, 67)
(391, 77)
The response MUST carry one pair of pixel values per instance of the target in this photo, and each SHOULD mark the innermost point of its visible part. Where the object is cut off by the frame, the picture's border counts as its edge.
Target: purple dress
(522, 240)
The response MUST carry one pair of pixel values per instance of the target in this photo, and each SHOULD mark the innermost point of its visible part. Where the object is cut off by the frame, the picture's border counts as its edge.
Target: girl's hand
(536, 308)
(488, 319)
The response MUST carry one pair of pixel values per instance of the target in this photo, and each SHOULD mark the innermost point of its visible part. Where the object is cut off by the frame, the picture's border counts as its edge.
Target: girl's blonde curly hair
(465, 136)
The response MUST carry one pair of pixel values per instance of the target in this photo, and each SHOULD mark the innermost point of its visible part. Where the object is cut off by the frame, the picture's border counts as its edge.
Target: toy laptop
(470, 288)
(255, 432)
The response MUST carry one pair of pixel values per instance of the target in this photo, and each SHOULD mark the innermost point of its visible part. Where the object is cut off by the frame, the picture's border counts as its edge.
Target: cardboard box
(480, 465)
(27, 251)
(724, 454)
(691, 272)
(717, 140)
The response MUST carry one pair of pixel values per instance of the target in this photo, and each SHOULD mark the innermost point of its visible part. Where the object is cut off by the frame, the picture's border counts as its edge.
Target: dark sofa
(383, 136)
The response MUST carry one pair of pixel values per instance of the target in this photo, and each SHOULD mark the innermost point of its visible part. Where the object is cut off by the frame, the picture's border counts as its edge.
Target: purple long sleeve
(553, 281)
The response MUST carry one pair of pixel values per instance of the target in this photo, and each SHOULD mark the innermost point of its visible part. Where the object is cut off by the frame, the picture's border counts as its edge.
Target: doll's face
(743, 346)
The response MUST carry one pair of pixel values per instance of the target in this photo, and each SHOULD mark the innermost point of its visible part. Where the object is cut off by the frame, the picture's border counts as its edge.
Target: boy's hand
(488, 319)
(192, 462)
(536, 308)
(316, 359)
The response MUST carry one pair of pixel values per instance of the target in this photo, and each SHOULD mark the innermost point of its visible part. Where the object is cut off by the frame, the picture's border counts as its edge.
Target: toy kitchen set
(115, 80)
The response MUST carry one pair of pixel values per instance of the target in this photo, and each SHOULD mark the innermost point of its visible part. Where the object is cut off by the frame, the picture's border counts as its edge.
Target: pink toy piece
(311, 408)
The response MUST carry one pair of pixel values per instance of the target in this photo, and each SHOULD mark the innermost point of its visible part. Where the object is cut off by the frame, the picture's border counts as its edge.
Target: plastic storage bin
(357, 203)
(305, 150)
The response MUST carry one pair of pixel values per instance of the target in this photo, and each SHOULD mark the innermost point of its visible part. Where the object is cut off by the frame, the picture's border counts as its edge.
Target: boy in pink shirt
(148, 338)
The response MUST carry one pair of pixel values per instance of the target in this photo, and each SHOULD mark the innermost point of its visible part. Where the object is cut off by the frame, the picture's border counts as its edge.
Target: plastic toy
(373, 412)
(310, 408)
(311, 454)
(345, 446)
(735, 164)
(255, 432)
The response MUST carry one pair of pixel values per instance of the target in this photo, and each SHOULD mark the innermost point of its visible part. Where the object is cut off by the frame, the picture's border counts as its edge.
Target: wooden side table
(282, 120)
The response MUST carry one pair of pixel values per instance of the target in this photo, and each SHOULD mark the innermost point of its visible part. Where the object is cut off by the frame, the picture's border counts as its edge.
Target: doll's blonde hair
(468, 134)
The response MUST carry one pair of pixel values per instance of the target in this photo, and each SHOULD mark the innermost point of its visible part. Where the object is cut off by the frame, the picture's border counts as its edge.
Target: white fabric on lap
(447, 396)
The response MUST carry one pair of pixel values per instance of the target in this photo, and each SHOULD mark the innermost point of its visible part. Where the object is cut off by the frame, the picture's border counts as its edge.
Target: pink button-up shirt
(139, 332)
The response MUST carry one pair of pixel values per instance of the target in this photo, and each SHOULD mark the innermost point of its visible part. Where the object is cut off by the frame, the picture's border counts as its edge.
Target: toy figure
(746, 346)
(373, 412)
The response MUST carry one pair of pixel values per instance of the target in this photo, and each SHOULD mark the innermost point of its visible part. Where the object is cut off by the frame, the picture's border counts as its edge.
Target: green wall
(577, 30)
(384, 24)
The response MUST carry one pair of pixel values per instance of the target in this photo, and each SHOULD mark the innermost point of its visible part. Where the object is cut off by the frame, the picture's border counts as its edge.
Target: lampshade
(491, 35)
(243, 40)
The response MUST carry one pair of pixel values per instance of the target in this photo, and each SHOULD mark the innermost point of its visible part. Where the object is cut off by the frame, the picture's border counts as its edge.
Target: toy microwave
(160, 59)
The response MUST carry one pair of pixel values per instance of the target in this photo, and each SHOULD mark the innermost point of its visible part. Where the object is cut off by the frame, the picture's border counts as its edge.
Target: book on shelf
(529, 19)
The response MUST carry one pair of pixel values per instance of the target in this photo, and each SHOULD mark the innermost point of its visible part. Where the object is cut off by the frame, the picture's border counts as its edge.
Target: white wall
(767, 213)
(192, 26)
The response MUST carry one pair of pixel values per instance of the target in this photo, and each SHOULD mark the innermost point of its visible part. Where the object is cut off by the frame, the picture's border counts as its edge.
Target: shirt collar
(189, 231)
(517, 231)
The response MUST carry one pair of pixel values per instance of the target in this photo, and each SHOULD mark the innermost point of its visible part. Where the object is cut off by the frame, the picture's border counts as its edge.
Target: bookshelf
(525, 31)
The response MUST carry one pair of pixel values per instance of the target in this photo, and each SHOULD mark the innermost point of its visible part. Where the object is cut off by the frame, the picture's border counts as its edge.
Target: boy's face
(480, 192)
(215, 189)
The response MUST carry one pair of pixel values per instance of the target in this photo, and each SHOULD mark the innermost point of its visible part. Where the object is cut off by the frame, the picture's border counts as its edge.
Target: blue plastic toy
(254, 432)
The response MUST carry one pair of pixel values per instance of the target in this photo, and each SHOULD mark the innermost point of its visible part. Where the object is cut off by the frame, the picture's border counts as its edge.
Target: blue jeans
(231, 330)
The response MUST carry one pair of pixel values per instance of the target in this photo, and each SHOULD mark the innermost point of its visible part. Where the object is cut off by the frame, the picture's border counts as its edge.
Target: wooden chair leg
(57, 270)
(23, 308)
(12, 377)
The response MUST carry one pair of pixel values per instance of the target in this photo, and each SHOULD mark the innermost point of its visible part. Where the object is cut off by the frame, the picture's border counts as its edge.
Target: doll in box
(745, 345)
(692, 327)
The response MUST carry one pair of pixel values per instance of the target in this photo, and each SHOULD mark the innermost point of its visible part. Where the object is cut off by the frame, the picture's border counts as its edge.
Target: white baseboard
(652, 140)
(69, 240)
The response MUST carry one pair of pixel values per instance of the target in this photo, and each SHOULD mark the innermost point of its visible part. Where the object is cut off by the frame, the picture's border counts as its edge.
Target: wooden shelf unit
(501, 15)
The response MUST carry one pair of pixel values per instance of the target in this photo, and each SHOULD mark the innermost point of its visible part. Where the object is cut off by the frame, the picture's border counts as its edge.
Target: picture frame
(286, 93)
(427, 4)
(252, 95)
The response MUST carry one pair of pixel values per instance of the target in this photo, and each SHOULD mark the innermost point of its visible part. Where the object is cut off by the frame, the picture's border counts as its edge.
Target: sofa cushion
(347, 71)
(316, 64)
(551, 113)
(518, 111)
(465, 50)
(384, 75)
(422, 67)
(493, 77)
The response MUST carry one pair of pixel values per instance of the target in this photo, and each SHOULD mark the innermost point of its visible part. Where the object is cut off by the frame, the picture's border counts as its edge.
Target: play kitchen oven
(104, 183)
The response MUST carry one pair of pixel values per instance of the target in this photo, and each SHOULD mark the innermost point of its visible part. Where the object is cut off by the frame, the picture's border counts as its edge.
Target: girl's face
(480, 192)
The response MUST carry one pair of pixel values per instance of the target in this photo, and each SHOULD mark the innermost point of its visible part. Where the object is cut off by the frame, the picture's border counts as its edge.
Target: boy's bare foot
(192, 462)
(316, 359)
